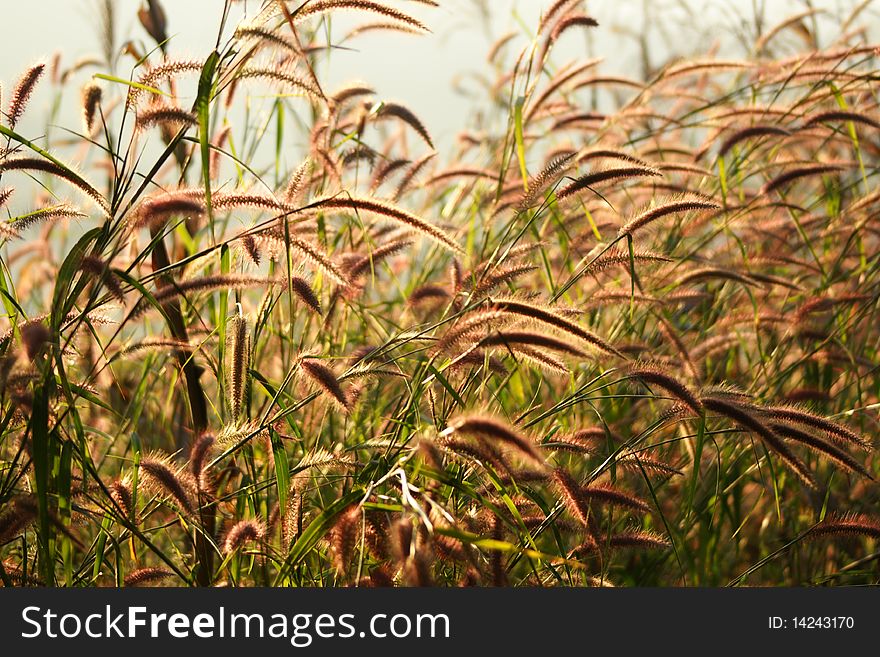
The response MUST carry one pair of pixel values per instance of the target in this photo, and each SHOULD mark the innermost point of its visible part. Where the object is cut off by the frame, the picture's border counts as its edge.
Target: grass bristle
(488, 428)
(163, 114)
(584, 326)
(22, 92)
(587, 181)
(548, 317)
(654, 374)
(847, 525)
(242, 533)
(91, 100)
(146, 576)
(385, 209)
(674, 206)
(749, 420)
(324, 377)
(161, 477)
(237, 365)
(320, 6)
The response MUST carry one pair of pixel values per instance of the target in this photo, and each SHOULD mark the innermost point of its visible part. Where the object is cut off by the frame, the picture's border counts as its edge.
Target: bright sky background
(422, 72)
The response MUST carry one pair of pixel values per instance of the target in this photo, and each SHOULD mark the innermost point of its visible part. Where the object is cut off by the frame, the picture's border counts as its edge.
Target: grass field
(257, 331)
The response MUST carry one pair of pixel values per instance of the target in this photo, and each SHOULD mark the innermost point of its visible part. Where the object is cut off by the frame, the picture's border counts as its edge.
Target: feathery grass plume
(104, 274)
(484, 427)
(290, 520)
(569, 21)
(159, 476)
(571, 492)
(428, 293)
(799, 172)
(324, 377)
(803, 416)
(157, 344)
(544, 316)
(350, 91)
(229, 200)
(380, 27)
(620, 257)
(366, 263)
(164, 114)
(514, 339)
(539, 182)
(556, 10)
(750, 132)
(251, 248)
(343, 536)
(850, 524)
(540, 358)
(673, 206)
(564, 76)
(704, 273)
(461, 172)
(412, 173)
(611, 154)
(479, 323)
(22, 92)
(705, 66)
(481, 453)
(241, 533)
(154, 76)
(682, 167)
(44, 216)
(583, 440)
(321, 6)
(65, 173)
(235, 433)
(146, 576)
(237, 362)
(357, 153)
(287, 78)
(655, 374)
(198, 459)
(16, 518)
(606, 494)
(298, 182)
(156, 210)
(210, 283)
(640, 462)
(385, 170)
(120, 493)
(385, 209)
(398, 111)
(604, 175)
(5, 193)
(820, 446)
(318, 258)
(636, 538)
(565, 23)
(304, 292)
(258, 32)
(841, 115)
(503, 276)
(91, 100)
(749, 421)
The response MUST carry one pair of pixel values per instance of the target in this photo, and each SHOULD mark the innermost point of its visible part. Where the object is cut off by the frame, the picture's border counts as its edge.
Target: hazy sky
(421, 71)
